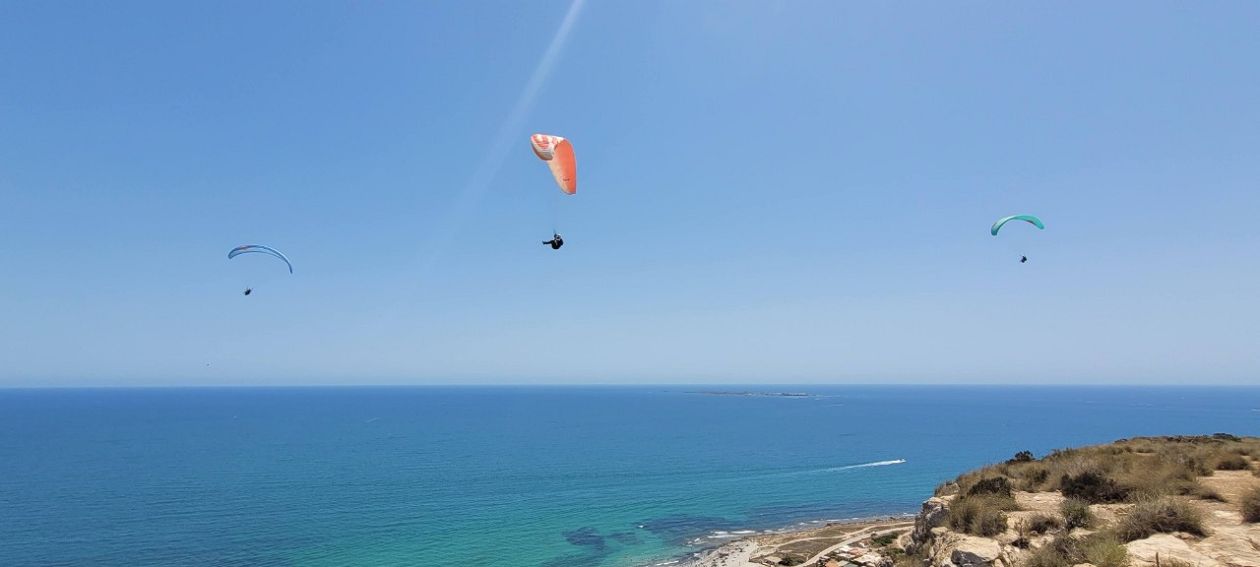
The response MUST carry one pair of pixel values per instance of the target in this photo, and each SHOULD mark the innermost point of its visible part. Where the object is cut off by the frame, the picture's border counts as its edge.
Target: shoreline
(816, 538)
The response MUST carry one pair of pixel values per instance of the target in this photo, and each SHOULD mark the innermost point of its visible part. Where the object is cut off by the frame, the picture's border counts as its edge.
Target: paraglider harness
(556, 242)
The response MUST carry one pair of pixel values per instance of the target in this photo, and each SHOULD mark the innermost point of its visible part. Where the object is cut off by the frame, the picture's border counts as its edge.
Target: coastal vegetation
(1160, 515)
(1235, 462)
(980, 515)
(1076, 513)
(1118, 472)
(1160, 501)
(982, 510)
(1251, 505)
(885, 540)
(1065, 551)
(1102, 505)
(1042, 523)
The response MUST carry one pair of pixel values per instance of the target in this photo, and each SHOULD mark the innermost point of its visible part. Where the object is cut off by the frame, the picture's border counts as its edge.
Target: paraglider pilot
(249, 291)
(556, 242)
(1023, 259)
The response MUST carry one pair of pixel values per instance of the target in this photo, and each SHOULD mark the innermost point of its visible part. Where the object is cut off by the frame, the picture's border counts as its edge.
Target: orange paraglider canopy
(558, 153)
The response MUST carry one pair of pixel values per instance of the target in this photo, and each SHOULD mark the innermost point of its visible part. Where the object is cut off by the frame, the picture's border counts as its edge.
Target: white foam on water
(845, 468)
(866, 465)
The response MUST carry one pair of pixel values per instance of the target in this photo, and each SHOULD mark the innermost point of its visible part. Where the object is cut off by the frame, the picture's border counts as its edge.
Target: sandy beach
(761, 550)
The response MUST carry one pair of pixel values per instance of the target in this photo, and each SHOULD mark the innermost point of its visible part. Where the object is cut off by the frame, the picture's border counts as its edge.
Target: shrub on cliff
(982, 515)
(1076, 513)
(1031, 477)
(1046, 556)
(1103, 551)
(997, 485)
(1160, 515)
(1251, 505)
(1232, 463)
(1205, 492)
(1093, 487)
(1062, 551)
(1042, 523)
(1021, 457)
(1099, 550)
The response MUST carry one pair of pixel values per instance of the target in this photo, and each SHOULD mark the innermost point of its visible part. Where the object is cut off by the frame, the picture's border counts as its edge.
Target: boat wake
(866, 465)
(839, 469)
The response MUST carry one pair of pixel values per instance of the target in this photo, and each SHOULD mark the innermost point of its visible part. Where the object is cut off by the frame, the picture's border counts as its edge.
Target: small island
(1177, 501)
(755, 394)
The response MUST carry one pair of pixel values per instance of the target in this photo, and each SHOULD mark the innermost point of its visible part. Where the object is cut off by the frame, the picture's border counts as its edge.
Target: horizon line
(673, 385)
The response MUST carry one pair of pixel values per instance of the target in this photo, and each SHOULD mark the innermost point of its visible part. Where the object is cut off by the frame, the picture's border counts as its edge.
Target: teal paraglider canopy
(260, 249)
(1026, 218)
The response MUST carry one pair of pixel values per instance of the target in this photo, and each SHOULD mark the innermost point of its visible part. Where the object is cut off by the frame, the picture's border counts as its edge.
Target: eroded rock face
(1168, 546)
(952, 549)
(932, 515)
(1233, 543)
(975, 552)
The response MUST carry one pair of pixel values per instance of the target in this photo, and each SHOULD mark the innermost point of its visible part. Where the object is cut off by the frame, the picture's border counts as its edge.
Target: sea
(519, 476)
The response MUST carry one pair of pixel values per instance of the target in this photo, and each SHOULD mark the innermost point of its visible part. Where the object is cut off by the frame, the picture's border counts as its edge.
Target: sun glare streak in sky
(508, 137)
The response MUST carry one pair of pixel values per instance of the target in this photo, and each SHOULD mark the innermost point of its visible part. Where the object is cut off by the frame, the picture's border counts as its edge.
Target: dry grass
(1046, 556)
(1165, 514)
(1205, 492)
(1130, 469)
(1232, 462)
(1250, 504)
(1076, 513)
(1158, 475)
(982, 515)
(1064, 551)
(1104, 551)
(1042, 523)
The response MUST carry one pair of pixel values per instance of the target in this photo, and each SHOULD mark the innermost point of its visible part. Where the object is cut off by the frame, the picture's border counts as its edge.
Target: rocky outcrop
(1168, 546)
(932, 515)
(975, 552)
(947, 548)
(1221, 538)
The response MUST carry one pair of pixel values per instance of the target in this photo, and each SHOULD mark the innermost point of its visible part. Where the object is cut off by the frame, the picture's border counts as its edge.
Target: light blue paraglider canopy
(259, 249)
(1026, 218)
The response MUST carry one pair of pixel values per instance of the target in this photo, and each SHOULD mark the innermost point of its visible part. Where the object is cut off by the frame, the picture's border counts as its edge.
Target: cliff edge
(1184, 501)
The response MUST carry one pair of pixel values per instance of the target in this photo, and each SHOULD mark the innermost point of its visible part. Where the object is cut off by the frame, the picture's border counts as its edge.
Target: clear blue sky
(769, 192)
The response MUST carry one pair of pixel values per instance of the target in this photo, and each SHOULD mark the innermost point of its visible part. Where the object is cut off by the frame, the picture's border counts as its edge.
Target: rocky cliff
(1172, 502)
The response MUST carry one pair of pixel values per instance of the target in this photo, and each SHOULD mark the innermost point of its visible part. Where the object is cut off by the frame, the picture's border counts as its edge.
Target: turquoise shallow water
(547, 477)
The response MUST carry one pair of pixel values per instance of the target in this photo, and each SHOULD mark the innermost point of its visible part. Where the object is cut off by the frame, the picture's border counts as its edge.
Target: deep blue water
(547, 477)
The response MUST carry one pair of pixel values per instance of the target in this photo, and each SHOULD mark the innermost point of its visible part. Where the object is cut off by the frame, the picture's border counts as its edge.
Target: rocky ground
(1228, 540)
